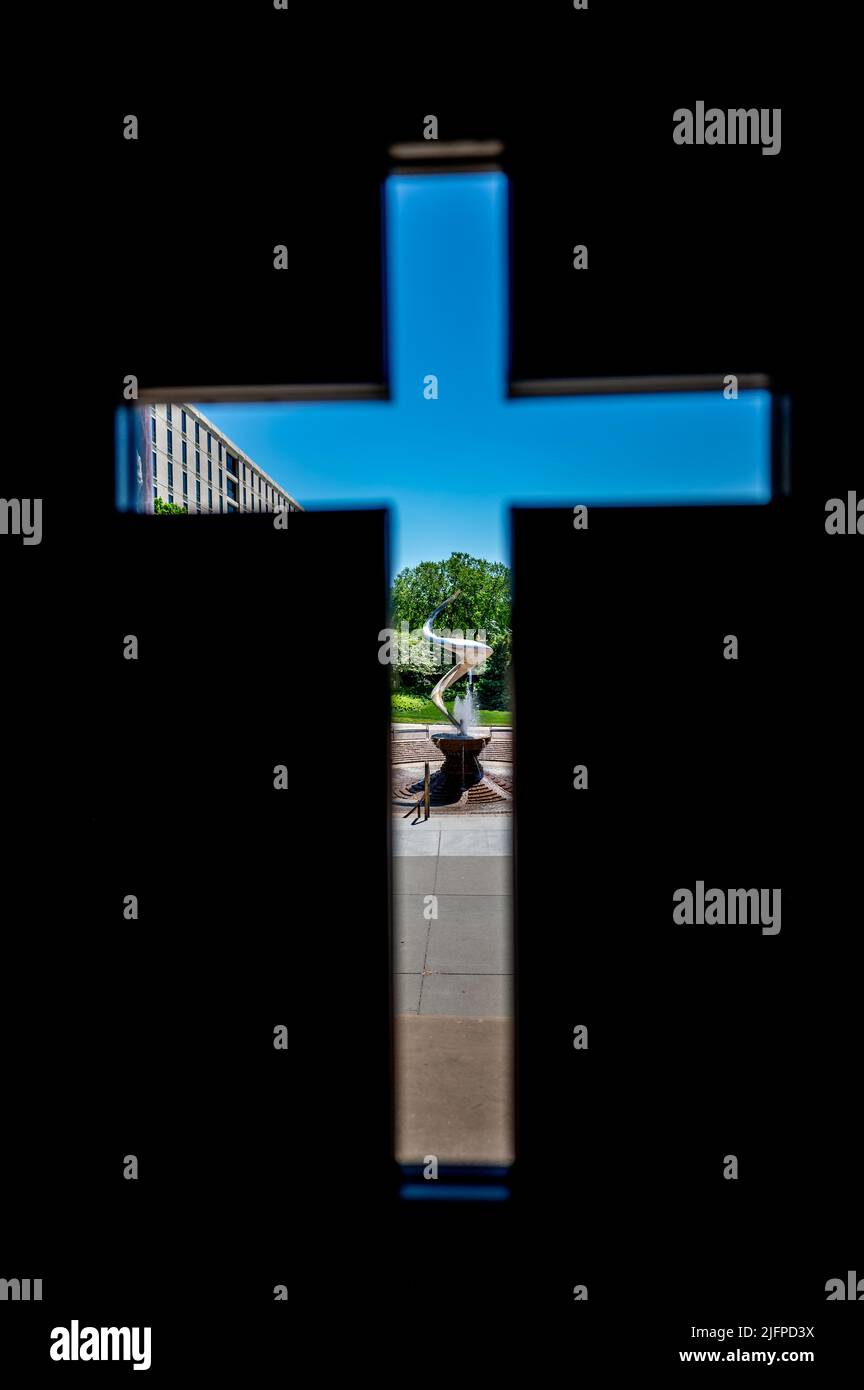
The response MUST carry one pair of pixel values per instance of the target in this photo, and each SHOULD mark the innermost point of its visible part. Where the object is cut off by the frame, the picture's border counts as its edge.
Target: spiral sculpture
(469, 654)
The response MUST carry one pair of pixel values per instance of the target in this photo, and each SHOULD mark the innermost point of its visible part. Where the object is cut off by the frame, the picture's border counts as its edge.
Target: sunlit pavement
(453, 949)
(452, 896)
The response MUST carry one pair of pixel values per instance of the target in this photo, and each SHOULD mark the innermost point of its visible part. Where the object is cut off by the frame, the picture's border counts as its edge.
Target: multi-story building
(198, 467)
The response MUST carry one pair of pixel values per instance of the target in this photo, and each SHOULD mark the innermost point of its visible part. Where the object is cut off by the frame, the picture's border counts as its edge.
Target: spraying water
(465, 711)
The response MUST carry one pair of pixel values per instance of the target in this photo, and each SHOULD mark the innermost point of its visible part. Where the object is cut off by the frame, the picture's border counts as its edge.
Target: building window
(231, 489)
(170, 474)
(209, 442)
(197, 432)
(209, 470)
(168, 411)
(244, 497)
(170, 442)
(185, 484)
(209, 499)
(220, 451)
(198, 491)
(171, 498)
(221, 505)
(155, 496)
(183, 421)
(183, 450)
(220, 480)
(197, 461)
(153, 428)
(153, 462)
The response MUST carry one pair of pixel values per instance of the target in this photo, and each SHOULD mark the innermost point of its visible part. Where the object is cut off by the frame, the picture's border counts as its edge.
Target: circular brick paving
(494, 794)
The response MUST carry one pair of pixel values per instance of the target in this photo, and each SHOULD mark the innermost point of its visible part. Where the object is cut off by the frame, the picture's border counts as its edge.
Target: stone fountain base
(461, 783)
(492, 794)
(462, 764)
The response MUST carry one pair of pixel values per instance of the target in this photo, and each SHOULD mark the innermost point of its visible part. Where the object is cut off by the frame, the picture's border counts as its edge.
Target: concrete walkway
(454, 1089)
(453, 944)
(457, 963)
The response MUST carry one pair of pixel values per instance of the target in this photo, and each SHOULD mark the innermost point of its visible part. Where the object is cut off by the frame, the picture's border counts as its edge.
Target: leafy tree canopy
(484, 594)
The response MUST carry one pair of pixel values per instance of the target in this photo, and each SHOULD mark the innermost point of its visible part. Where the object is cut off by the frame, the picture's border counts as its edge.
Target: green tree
(163, 508)
(484, 593)
(483, 605)
(493, 686)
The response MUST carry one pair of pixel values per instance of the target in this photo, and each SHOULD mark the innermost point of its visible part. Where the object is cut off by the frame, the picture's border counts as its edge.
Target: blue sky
(451, 467)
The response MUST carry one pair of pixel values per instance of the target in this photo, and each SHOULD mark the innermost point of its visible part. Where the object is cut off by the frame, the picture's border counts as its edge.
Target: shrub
(408, 704)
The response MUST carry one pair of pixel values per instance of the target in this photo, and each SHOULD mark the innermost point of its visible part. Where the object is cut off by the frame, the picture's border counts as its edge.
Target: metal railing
(426, 728)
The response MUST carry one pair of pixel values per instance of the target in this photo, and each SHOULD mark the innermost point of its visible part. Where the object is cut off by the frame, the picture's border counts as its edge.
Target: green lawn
(427, 713)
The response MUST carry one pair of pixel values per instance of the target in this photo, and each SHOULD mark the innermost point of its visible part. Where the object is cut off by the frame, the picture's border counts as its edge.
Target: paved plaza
(460, 963)
(454, 988)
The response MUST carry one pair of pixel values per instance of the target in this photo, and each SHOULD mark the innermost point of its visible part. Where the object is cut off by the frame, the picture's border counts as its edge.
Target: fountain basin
(462, 764)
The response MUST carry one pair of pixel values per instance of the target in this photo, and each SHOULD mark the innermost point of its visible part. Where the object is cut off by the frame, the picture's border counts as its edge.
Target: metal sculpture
(469, 654)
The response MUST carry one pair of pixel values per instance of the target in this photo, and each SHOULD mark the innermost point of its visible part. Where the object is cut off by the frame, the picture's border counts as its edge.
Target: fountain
(462, 767)
(461, 784)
